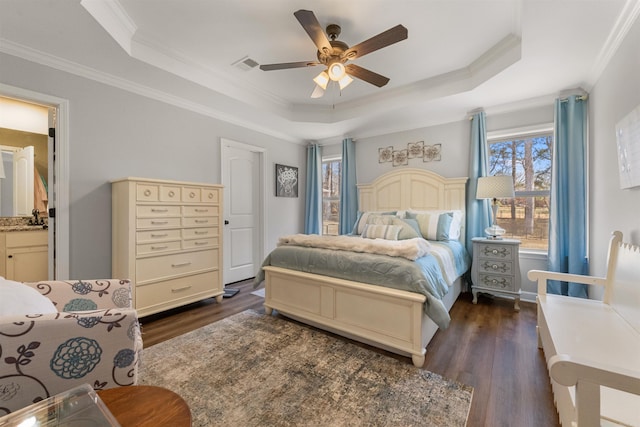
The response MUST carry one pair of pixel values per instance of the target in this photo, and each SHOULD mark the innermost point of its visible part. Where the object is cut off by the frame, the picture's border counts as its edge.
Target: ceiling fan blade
(384, 39)
(366, 75)
(311, 25)
(285, 65)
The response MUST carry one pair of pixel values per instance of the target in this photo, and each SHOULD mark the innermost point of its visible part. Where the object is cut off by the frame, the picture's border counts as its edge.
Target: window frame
(524, 132)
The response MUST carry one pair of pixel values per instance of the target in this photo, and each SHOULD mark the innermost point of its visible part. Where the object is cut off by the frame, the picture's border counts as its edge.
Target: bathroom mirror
(24, 186)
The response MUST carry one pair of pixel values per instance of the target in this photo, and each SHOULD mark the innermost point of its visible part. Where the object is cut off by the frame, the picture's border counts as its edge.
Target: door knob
(226, 222)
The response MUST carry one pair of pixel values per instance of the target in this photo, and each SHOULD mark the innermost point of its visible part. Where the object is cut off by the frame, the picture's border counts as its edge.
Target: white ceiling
(460, 55)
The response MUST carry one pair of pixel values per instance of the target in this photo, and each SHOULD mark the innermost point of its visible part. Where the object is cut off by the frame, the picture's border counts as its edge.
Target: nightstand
(496, 268)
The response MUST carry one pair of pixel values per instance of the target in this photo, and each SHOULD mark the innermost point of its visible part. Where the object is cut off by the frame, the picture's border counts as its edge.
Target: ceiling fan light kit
(335, 53)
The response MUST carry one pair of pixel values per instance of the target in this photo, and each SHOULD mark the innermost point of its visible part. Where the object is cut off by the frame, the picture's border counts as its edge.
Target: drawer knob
(172, 193)
(211, 195)
(192, 194)
(495, 252)
(494, 266)
(147, 193)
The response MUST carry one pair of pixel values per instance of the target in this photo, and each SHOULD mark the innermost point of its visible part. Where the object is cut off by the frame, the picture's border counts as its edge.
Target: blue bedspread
(423, 276)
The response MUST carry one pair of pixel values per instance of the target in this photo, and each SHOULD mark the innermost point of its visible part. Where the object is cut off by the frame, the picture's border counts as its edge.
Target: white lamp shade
(494, 187)
(345, 81)
(322, 79)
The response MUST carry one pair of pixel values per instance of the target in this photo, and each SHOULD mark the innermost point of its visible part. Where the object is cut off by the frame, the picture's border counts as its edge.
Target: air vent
(245, 64)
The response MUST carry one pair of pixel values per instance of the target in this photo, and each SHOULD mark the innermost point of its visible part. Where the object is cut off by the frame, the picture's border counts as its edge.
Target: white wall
(616, 93)
(115, 133)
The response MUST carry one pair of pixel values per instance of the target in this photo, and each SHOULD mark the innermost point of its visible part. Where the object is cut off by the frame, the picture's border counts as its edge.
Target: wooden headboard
(411, 188)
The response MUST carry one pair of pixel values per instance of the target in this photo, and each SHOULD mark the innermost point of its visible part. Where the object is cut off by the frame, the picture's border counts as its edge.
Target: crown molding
(114, 19)
(14, 49)
(623, 24)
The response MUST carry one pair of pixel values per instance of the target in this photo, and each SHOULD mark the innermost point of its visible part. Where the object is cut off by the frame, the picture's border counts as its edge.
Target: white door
(241, 172)
(23, 182)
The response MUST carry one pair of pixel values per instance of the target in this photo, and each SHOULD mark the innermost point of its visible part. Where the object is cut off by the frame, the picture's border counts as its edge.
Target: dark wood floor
(488, 346)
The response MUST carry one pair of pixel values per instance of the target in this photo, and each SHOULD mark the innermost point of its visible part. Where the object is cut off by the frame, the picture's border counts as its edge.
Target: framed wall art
(286, 181)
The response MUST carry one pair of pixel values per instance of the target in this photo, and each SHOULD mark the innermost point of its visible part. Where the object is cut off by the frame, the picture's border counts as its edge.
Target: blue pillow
(433, 226)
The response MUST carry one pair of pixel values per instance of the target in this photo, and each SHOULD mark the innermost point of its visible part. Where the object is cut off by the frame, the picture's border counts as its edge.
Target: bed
(388, 318)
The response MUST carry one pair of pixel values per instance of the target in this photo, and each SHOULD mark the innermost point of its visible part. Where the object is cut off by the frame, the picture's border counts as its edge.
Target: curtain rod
(578, 98)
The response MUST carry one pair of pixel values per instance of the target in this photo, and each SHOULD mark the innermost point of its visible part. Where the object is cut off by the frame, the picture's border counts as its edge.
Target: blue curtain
(313, 205)
(348, 188)
(568, 214)
(478, 211)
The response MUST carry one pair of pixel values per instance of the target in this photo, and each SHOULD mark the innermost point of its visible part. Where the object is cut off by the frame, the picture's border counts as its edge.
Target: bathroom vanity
(24, 253)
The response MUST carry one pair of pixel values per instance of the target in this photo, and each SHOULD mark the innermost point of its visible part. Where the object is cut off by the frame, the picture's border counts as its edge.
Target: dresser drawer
(495, 266)
(200, 221)
(147, 192)
(200, 210)
(142, 223)
(496, 282)
(170, 193)
(199, 233)
(200, 243)
(495, 251)
(158, 247)
(157, 236)
(157, 211)
(191, 194)
(164, 293)
(166, 266)
(210, 195)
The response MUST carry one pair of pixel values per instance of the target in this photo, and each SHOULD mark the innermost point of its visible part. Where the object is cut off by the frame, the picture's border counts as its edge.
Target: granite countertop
(5, 228)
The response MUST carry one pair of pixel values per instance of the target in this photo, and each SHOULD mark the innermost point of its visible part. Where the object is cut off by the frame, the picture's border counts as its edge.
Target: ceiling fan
(335, 53)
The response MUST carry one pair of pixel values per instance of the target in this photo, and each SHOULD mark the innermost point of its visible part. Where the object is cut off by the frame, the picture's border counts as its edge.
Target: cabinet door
(27, 264)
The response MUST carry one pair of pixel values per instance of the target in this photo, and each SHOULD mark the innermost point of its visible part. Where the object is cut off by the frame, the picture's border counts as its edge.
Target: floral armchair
(94, 338)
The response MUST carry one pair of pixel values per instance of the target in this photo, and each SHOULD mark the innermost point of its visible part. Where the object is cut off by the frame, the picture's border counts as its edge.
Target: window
(527, 158)
(331, 173)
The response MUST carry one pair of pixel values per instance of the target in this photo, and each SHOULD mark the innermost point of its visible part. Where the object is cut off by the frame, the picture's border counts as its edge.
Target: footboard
(387, 318)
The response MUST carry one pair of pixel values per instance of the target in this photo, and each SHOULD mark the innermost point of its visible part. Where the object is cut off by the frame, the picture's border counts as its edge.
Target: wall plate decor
(286, 181)
(432, 153)
(415, 149)
(385, 154)
(400, 158)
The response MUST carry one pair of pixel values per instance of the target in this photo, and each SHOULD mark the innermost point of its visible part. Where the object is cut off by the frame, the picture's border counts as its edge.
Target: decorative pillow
(361, 220)
(18, 298)
(456, 222)
(407, 230)
(378, 231)
(434, 226)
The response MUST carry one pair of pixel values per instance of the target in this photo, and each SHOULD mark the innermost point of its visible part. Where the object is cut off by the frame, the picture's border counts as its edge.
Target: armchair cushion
(17, 298)
(97, 342)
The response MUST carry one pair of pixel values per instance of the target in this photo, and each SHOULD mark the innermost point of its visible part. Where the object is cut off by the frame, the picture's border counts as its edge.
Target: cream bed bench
(592, 347)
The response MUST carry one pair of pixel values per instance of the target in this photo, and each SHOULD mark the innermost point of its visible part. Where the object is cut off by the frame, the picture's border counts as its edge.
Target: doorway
(242, 175)
(58, 174)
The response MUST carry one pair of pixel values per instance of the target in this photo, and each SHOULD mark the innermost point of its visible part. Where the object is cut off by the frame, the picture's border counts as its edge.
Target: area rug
(252, 369)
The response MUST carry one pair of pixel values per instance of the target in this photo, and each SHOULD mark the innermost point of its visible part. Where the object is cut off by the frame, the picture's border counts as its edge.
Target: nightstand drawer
(504, 283)
(495, 266)
(495, 251)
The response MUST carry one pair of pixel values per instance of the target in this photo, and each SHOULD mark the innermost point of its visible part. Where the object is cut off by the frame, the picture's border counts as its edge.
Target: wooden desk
(143, 405)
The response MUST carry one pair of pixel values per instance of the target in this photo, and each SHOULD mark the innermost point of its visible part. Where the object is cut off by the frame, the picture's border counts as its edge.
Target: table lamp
(494, 187)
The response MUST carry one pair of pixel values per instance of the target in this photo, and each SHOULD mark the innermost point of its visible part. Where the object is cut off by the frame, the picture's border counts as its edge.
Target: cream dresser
(167, 240)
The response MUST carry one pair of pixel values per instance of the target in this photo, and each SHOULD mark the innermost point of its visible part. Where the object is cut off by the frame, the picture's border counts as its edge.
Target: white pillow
(18, 298)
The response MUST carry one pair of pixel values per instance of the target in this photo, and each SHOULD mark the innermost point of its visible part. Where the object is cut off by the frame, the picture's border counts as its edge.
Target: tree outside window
(527, 159)
(331, 174)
